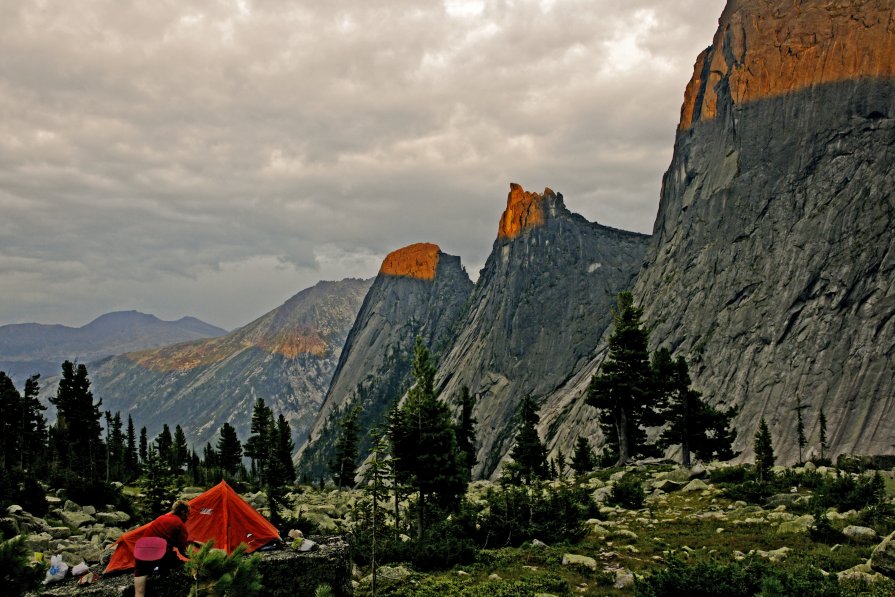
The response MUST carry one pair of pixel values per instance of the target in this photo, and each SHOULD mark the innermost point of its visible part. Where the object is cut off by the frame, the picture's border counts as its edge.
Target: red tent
(218, 514)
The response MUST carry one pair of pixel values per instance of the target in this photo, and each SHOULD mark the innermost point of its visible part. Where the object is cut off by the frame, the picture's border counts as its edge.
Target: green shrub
(627, 493)
(17, 575)
(746, 578)
(519, 514)
(216, 573)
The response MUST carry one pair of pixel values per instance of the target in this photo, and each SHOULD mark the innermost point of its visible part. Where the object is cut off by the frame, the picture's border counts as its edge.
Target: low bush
(627, 493)
(746, 578)
(17, 575)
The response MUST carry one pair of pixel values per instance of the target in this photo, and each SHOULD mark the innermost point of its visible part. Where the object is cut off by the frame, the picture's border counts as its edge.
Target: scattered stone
(695, 485)
(537, 543)
(393, 572)
(799, 525)
(882, 559)
(494, 576)
(70, 506)
(667, 485)
(624, 578)
(626, 534)
(810, 467)
(75, 519)
(462, 573)
(860, 534)
(698, 472)
(571, 559)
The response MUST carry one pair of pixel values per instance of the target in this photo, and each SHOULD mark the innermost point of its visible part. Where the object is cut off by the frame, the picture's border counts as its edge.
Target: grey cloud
(165, 152)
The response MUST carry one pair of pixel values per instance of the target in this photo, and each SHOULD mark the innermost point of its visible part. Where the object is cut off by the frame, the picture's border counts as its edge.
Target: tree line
(87, 449)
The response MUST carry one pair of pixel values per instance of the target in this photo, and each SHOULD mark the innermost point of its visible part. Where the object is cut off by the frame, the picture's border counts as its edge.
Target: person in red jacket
(172, 528)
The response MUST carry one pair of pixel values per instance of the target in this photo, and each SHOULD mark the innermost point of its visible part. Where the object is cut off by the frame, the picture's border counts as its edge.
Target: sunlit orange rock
(414, 261)
(767, 48)
(184, 357)
(524, 211)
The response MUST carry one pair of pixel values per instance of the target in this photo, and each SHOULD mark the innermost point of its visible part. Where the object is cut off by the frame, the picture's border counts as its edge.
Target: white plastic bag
(57, 570)
(80, 569)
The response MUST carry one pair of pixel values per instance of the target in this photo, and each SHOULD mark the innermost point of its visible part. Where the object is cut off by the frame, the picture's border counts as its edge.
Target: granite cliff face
(419, 291)
(772, 264)
(286, 357)
(538, 310)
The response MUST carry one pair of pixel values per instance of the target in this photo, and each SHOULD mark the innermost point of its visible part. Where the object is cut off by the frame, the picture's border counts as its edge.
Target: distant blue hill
(28, 348)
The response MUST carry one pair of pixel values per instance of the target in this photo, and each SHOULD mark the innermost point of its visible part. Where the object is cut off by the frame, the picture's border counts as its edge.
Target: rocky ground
(685, 516)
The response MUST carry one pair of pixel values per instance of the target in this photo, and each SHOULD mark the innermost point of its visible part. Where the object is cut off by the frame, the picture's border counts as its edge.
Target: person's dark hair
(180, 507)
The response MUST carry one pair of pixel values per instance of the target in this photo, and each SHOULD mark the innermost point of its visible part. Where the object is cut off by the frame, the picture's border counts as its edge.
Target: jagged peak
(767, 48)
(418, 261)
(525, 210)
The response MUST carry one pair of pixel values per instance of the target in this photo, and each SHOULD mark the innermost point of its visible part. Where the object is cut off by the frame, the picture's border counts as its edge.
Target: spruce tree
(78, 446)
(528, 453)
(229, 450)
(9, 407)
(344, 464)
(764, 451)
(800, 427)
(258, 446)
(424, 443)
(621, 389)
(32, 429)
(692, 423)
(180, 452)
(144, 445)
(466, 431)
(822, 421)
(131, 456)
(280, 471)
(583, 459)
(164, 445)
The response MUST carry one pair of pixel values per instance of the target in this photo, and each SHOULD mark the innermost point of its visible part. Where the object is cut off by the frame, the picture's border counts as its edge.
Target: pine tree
(9, 407)
(822, 421)
(344, 464)
(229, 450)
(377, 476)
(280, 471)
(621, 390)
(466, 431)
(764, 451)
(164, 445)
(800, 427)
(528, 453)
(583, 459)
(258, 446)
(131, 461)
(692, 423)
(77, 434)
(157, 485)
(424, 443)
(561, 464)
(144, 445)
(180, 452)
(32, 429)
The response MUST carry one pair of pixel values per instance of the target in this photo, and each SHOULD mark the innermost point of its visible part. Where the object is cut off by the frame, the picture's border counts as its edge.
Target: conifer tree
(32, 429)
(621, 390)
(424, 443)
(229, 450)
(78, 432)
(280, 471)
(822, 421)
(583, 459)
(180, 452)
(764, 451)
(692, 423)
(800, 427)
(157, 485)
(344, 464)
(131, 457)
(466, 431)
(560, 464)
(164, 445)
(528, 453)
(144, 445)
(258, 446)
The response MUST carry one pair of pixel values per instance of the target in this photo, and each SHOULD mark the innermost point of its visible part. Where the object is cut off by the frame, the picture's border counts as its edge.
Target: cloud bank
(213, 158)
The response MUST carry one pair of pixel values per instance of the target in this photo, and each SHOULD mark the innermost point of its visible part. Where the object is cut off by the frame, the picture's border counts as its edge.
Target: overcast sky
(212, 159)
